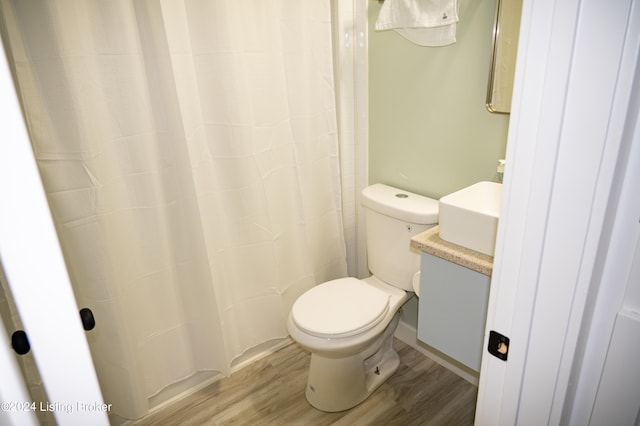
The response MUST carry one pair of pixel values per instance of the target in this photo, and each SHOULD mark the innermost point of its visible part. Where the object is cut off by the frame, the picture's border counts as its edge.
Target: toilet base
(338, 384)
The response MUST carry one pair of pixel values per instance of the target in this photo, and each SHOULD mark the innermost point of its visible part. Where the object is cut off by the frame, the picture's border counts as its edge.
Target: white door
(573, 119)
(609, 380)
(15, 406)
(37, 276)
(618, 395)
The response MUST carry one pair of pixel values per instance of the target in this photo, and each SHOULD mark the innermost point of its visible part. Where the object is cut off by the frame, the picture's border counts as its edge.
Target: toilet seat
(340, 308)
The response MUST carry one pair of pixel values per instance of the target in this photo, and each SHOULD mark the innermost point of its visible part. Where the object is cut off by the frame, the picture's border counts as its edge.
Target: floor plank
(271, 392)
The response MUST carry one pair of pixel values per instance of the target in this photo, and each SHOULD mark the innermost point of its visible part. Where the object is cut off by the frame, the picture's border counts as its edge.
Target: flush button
(401, 195)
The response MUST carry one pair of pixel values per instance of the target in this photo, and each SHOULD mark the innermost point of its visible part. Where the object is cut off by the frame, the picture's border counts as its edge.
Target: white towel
(424, 22)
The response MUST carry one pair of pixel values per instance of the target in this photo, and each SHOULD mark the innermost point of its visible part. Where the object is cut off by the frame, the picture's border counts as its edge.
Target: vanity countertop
(430, 242)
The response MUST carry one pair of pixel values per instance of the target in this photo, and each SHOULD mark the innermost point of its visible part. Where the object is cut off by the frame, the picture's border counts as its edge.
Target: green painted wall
(429, 130)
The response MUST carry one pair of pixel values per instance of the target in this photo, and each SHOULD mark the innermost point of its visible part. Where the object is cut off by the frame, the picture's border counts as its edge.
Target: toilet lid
(340, 308)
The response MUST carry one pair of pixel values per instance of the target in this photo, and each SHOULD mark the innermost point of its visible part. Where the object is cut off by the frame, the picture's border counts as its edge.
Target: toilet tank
(392, 217)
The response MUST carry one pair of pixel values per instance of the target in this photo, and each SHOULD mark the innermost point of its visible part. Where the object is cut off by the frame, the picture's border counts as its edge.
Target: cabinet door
(452, 309)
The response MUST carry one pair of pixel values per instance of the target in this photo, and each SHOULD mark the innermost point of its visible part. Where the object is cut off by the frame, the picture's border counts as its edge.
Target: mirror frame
(506, 30)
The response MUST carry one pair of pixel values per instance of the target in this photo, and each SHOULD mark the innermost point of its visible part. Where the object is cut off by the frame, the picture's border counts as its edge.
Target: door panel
(37, 276)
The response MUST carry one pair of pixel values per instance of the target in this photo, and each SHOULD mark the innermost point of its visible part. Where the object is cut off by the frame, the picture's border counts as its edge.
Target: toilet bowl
(347, 324)
(351, 352)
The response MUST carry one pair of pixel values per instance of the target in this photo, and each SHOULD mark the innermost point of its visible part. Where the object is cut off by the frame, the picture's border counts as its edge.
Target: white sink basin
(469, 217)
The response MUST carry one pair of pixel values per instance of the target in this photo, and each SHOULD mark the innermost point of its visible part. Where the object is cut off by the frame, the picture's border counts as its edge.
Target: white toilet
(348, 324)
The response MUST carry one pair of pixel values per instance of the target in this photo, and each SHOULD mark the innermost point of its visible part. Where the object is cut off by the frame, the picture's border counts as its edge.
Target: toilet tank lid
(400, 204)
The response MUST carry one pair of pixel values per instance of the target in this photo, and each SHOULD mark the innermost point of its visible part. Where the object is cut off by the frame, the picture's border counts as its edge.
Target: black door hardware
(20, 342)
(88, 321)
(498, 345)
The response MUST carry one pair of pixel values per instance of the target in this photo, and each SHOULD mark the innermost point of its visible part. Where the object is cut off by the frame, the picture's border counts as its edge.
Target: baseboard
(409, 336)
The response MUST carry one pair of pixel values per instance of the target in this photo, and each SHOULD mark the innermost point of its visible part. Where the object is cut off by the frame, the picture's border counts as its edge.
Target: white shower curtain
(189, 152)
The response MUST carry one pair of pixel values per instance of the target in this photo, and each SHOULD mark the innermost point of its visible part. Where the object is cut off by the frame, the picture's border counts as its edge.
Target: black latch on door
(498, 345)
(20, 342)
(88, 321)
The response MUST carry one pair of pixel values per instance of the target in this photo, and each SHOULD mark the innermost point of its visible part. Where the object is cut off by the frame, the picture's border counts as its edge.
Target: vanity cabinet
(452, 309)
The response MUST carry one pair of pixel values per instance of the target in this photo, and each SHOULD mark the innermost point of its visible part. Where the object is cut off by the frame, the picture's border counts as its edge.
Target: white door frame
(574, 80)
(37, 276)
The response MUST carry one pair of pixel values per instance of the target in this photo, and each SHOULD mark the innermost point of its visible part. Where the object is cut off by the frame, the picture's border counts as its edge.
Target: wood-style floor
(271, 392)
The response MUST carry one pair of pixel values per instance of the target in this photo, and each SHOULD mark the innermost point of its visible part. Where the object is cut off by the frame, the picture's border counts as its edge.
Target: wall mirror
(503, 61)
